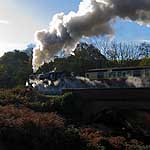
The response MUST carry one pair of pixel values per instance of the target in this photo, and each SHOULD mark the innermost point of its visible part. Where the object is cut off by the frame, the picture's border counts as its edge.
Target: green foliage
(145, 62)
(67, 104)
(71, 105)
(29, 98)
(74, 139)
(22, 95)
(15, 68)
(124, 63)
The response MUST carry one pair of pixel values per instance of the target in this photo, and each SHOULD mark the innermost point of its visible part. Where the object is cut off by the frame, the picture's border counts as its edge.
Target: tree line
(101, 54)
(16, 66)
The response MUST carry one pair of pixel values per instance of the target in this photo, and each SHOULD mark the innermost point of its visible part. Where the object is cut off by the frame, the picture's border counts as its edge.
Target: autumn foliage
(29, 120)
(11, 116)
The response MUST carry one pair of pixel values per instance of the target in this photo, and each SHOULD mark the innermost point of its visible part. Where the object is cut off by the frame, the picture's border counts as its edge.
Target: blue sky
(19, 19)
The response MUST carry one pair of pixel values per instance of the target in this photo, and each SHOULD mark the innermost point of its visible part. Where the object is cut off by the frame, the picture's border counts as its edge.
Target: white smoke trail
(94, 17)
(81, 82)
(69, 83)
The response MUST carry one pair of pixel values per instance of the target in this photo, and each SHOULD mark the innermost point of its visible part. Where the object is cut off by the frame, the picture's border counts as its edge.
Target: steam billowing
(94, 17)
(56, 87)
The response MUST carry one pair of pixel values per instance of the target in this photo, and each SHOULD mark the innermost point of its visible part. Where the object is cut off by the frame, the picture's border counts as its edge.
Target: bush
(117, 142)
(29, 98)
(18, 117)
(29, 129)
(25, 129)
(74, 140)
(71, 106)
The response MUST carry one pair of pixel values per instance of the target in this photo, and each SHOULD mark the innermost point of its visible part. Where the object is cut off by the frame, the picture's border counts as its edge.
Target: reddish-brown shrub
(11, 116)
(117, 142)
(92, 135)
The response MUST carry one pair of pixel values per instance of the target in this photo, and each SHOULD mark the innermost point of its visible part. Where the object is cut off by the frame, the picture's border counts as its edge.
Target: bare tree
(119, 51)
(144, 49)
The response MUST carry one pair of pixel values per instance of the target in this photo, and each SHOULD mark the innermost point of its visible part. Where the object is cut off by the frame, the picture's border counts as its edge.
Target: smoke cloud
(94, 17)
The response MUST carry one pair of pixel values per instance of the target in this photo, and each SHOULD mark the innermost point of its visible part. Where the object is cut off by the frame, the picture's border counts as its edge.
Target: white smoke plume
(56, 87)
(94, 17)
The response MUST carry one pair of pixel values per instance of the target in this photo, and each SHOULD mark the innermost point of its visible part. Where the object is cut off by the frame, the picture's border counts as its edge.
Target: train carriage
(118, 73)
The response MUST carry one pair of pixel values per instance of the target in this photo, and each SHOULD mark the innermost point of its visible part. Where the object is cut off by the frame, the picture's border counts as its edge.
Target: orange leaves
(92, 135)
(11, 116)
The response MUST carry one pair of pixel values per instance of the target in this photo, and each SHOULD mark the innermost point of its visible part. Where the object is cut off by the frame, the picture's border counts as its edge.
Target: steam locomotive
(53, 76)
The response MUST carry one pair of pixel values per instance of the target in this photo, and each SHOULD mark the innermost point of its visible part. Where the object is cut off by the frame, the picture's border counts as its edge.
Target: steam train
(53, 76)
(118, 73)
(98, 74)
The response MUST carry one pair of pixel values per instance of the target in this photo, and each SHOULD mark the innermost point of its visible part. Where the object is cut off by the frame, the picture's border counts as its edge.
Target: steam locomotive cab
(52, 76)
